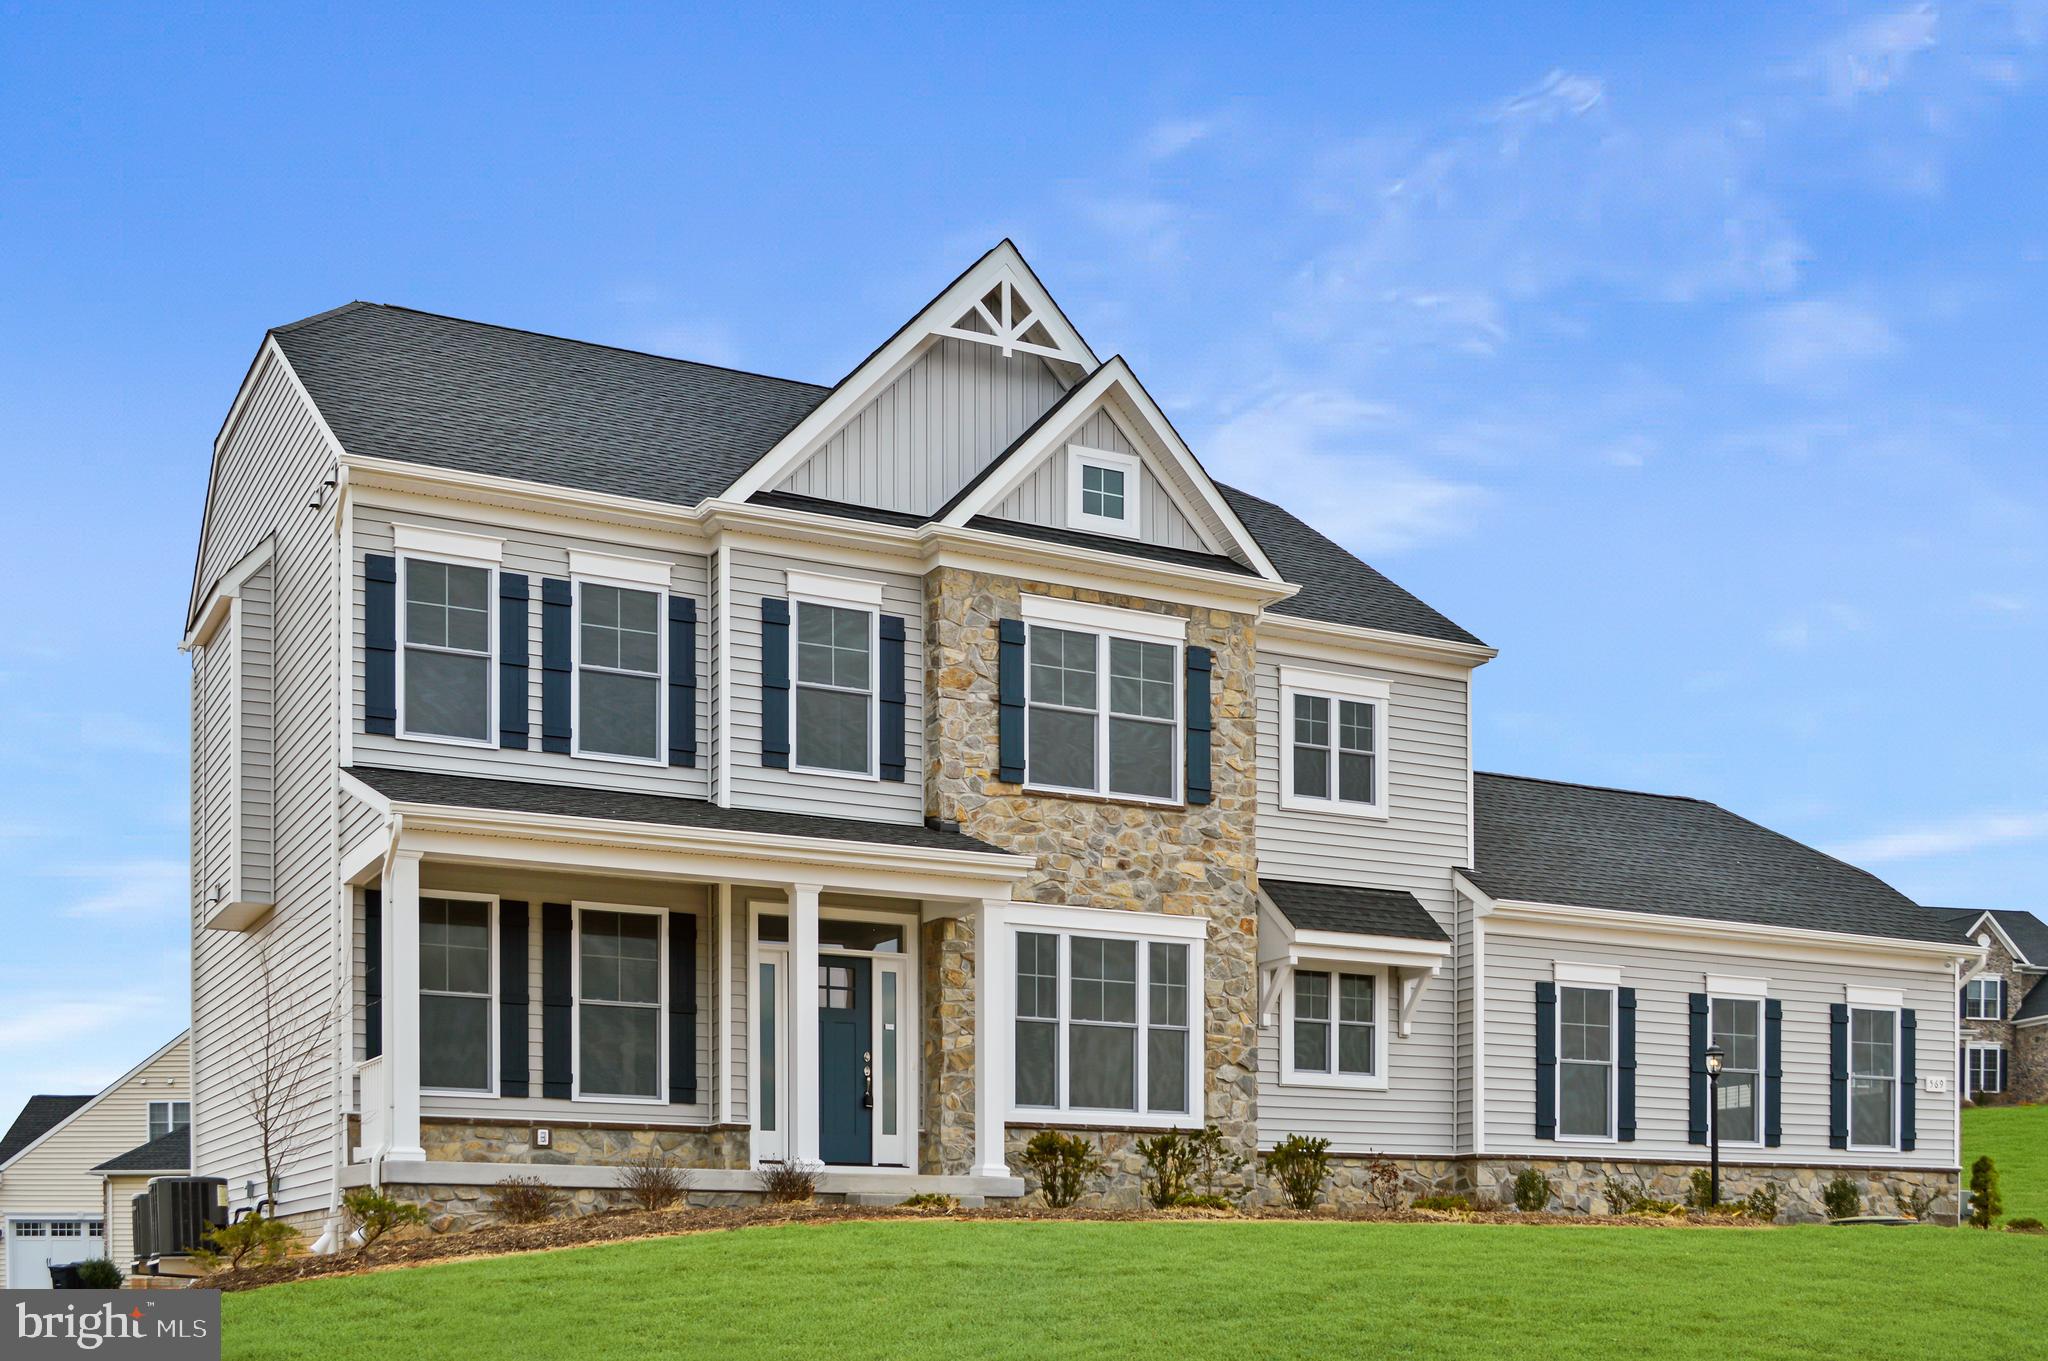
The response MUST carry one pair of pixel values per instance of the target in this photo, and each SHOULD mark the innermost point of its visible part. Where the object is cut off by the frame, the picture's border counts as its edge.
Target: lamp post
(1714, 1057)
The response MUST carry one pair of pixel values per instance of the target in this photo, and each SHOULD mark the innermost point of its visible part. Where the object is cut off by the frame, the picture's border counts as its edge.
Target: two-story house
(596, 752)
(2003, 1005)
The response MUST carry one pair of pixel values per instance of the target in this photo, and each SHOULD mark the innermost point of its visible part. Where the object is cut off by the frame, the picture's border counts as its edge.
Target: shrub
(788, 1182)
(1216, 1160)
(931, 1200)
(2025, 1224)
(1300, 1165)
(1383, 1182)
(1842, 1198)
(653, 1182)
(1169, 1168)
(97, 1273)
(1986, 1204)
(1197, 1200)
(1762, 1203)
(1533, 1191)
(1062, 1163)
(1442, 1202)
(525, 1200)
(1699, 1191)
(375, 1214)
(268, 1240)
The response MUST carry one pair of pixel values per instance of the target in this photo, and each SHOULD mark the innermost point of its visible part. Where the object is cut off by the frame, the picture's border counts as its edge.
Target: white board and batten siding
(1664, 977)
(1415, 847)
(1041, 498)
(538, 555)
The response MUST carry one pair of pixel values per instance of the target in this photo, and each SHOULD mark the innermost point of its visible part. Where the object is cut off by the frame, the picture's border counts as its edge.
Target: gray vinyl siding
(921, 439)
(253, 611)
(1664, 978)
(1041, 499)
(355, 819)
(1462, 993)
(538, 555)
(755, 576)
(214, 673)
(272, 460)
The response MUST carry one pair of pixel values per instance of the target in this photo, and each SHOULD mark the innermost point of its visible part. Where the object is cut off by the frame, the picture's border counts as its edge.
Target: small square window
(1102, 491)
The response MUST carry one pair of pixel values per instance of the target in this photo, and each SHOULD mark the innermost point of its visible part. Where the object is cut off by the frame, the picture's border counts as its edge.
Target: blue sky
(1693, 359)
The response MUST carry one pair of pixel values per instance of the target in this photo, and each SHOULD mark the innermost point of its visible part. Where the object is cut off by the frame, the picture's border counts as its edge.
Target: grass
(1205, 1289)
(2016, 1137)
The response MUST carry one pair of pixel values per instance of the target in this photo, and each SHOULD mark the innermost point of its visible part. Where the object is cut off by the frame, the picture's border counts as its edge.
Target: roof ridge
(1608, 789)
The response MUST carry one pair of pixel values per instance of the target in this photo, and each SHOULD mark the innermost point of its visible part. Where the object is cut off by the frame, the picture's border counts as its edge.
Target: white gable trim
(116, 1085)
(1987, 918)
(878, 370)
(1115, 379)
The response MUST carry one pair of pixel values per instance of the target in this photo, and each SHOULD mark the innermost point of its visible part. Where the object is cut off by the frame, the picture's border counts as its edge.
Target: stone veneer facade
(1197, 860)
(2026, 1047)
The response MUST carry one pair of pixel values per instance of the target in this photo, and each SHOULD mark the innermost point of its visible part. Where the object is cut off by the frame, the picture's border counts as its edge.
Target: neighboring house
(2004, 1007)
(52, 1195)
(125, 1177)
(598, 752)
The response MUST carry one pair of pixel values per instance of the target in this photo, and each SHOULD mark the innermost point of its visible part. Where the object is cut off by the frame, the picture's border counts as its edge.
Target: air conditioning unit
(174, 1216)
(139, 1210)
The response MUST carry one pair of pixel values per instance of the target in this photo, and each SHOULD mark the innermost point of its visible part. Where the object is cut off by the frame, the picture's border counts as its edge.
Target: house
(597, 753)
(53, 1197)
(2004, 1009)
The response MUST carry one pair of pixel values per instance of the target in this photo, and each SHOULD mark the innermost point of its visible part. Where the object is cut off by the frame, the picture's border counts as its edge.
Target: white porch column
(803, 1022)
(995, 974)
(402, 1005)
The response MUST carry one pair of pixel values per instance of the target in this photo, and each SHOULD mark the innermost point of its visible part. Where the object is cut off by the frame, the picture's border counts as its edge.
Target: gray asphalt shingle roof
(1352, 908)
(38, 1117)
(529, 796)
(166, 1153)
(2036, 1005)
(1578, 845)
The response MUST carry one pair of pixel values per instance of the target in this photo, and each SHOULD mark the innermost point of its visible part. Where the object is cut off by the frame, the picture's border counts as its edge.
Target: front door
(846, 1061)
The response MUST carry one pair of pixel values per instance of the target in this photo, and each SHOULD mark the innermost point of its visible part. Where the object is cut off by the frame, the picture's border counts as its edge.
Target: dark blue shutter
(1625, 1078)
(682, 1007)
(2004, 1013)
(512, 612)
(1010, 701)
(892, 696)
(2001, 1070)
(1838, 1075)
(512, 996)
(1963, 1002)
(682, 681)
(555, 623)
(1774, 1072)
(1909, 1079)
(380, 643)
(1546, 1060)
(1696, 1086)
(775, 683)
(557, 939)
(1200, 663)
(373, 973)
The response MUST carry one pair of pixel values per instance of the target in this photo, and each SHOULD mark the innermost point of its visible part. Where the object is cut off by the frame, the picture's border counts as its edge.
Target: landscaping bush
(931, 1200)
(268, 1240)
(788, 1182)
(1300, 1165)
(1062, 1163)
(1986, 1204)
(1762, 1203)
(1169, 1168)
(1626, 1199)
(1215, 1159)
(1383, 1182)
(525, 1200)
(1442, 1202)
(654, 1182)
(1699, 1191)
(1533, 1191)
(2025, 1224)
(1843, 1199)
(97, 1273)
(375, 1214)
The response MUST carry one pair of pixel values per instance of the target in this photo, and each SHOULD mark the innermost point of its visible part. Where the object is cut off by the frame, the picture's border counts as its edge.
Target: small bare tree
(281, 1072)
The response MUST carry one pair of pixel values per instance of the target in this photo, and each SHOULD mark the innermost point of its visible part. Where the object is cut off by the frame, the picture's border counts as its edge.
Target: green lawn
(2016, 1137)
(1197, 1289)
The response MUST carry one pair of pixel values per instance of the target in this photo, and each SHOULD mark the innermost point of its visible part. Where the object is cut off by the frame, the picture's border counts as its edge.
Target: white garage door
(33, 1245)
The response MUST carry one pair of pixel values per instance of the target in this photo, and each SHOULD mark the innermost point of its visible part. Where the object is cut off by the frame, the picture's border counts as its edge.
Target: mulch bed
(619, 1226)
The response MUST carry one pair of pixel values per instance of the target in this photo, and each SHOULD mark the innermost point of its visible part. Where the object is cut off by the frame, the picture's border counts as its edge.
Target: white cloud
(130, 889)
(1817, 343)
(1169, 137)
(1969, 832)
(1876, 54)
(1996, 602)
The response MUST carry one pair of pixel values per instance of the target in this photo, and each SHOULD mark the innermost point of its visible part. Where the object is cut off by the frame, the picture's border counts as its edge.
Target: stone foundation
(946, 1035)
(2026, 1065)
(582, 1145)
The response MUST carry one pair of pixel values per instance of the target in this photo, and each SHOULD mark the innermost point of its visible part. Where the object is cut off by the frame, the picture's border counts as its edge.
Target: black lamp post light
(1714, 1057)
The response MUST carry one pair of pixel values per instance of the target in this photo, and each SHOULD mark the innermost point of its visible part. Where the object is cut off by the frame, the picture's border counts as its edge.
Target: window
(618, 672)
(1981, 1001)
(1121, 739)
(1585, 1063)
(447, 655)
(1102, 491)
(31, 1228)
(767, 1046)
(1986, 1069)
(1873, 1078)
(1122, 1041)
(618, 1003)
(1737, 1027)
(835, 688)
(835, 987)
(456, 994)
(1333, 743)
(1332, 1024)
(165, 1116)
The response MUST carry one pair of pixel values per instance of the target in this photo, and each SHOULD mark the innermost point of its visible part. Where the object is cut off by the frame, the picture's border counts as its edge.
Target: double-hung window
(1981, 1000)
(1103, 709)
(165, 1116)
(1105, 1023)
(834, 674)
(446, 657)
(619, 959)
(1873, 1077)
(1333, 743)
(456, 994)
(1103, 492)
(1332, 1026)
(1986, 1069)
(1737, 1027)
(1585, 1062)
(618, 671)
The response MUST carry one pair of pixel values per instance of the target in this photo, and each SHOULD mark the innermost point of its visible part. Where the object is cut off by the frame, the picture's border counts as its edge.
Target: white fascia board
(1990, 919)
(220, 600)
(1707, 933)
(1315, 640)
(102, 1095)
(1087, 569)
(354, 786)
(1113, 920)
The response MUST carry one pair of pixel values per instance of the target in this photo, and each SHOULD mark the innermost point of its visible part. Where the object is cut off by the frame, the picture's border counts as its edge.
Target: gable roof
(1547, 841)
(1353, 909)
(170, 1152)
(2027, 933)
(41, 1115)
(2035, 1008)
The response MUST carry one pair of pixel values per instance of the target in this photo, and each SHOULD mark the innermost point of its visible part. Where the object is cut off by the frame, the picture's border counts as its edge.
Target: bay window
(1333, 742)
(1873, 1077)
(1105, 1024)
(1737, 1027)
(619, 977)
(1119, 738)
(456, 994)
(446, 654)
(1585, 1063)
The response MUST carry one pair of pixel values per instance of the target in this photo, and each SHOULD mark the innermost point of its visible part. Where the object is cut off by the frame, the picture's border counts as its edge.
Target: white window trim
(471, 550)
(149, 1113)
(1898, 1082)
(1970, 1051)
(1104, 623)
(1290, 1076)
(491, 1013)
(1988, 980)
(1575, 976)
(610, 569)
(842, 593)
(1065, 923)
(1763, 1071)
(1875, 999)
(661, 1054)
(490, 653)
(1724, 985)
(1334, 687)
(1131, 525)
(660, 757)
(1150, 625)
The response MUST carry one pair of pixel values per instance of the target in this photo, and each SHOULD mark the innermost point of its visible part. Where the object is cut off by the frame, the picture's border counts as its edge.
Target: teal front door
(846, 1061)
